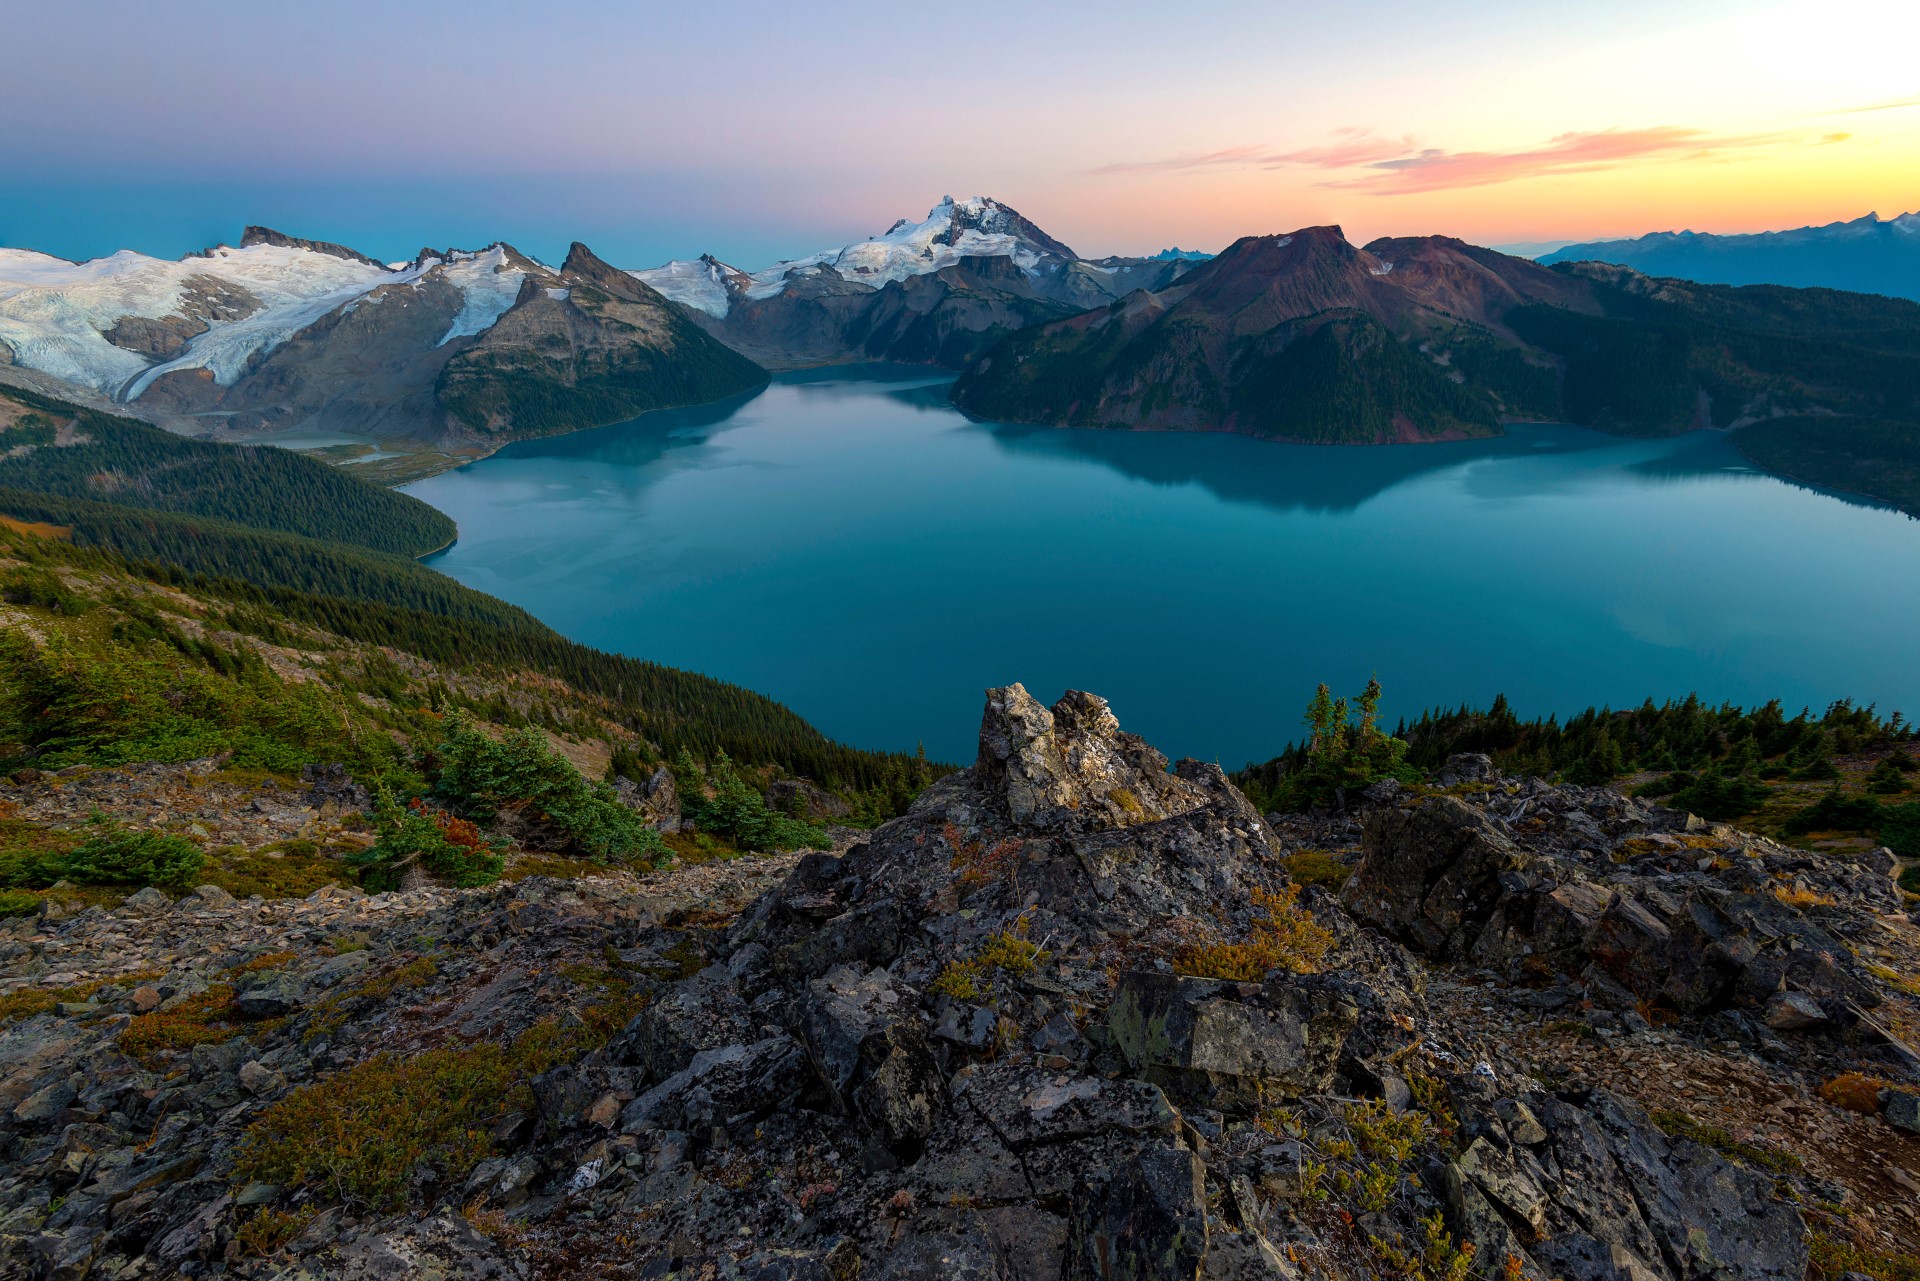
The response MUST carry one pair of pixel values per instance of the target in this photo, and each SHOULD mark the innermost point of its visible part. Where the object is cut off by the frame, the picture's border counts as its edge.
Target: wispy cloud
(1569, 153)
(1349, 148)
(1397, 166)
(1894, 105)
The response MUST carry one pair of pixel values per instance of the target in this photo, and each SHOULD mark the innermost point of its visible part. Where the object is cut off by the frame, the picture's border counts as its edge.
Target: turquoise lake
(849, 544)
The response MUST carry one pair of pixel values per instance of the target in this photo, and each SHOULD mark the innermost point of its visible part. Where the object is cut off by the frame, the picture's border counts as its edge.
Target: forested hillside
(1872, 456)
(1305, 338)
(1668, 355)
(1848, 772)
(267, 578)
(54, 448)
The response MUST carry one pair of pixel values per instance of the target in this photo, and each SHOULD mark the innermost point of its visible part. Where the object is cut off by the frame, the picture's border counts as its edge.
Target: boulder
(1604, 1194)
(332, 790)
(868, 1043)
(803, 800)
(1467, 767)
(1145, 1222)
(1070, 768)
(701, 1013)
(270, 998)
(1902, 1110)
(657, 800)
(723, 1087)
(1793, 1012)
(1231, 1043)
(1431, 874)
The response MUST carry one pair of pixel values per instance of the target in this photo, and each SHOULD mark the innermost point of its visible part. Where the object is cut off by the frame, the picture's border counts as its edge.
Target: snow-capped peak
(974, 227)
(700, 283)
(236, 303)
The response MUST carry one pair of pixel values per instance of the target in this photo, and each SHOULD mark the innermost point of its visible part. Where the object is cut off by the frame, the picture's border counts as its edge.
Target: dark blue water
(850, 545)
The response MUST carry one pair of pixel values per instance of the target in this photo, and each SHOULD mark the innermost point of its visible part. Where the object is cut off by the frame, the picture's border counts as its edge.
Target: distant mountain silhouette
(1867, 255)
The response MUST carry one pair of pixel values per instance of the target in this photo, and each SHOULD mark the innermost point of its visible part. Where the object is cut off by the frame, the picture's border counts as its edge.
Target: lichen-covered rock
(657, 800)
(1228, 1043)
(1071, 767)
(1431, 874)
(723, 1087)
(1145, 1223)
(1592, 1190)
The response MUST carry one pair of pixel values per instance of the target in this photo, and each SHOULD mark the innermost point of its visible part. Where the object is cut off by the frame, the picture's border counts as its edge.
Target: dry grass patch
(1855, 1092)
(205, 1018)
(1288, 938)
(362, 1136)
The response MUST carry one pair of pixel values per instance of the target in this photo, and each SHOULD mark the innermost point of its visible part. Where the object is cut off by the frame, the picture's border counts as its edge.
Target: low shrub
(113, 855)
(1381, 1132)
(720, 801)
(1317, 867)
(1286, 938)
(1855, 1092)
(1832, 1259)
(26, 1002)
(1681, 1126)
(287, 869)
(480, 777)
(205, 1018)
(271, 1228)
(440, 845)
(1009, 951)
(120, 856)
(362, 1136)
(1795, 896)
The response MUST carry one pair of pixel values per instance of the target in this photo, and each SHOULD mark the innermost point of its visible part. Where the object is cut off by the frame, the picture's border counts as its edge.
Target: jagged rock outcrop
(976, 1045)
(1643, 898)
(657, 799)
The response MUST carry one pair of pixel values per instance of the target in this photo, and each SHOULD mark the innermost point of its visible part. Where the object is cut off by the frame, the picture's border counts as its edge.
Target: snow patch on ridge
(489, 286)
(295, 286)
(977, 227)
(699, 283)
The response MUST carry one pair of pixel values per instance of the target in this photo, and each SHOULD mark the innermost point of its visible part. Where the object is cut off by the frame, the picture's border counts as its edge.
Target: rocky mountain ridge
(1307, 337)
(939, 291)
(1073, 1016)
(1869, 255)
(282, 334)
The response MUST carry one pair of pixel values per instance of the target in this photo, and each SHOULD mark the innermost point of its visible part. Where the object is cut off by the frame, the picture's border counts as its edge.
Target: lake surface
(851, 545)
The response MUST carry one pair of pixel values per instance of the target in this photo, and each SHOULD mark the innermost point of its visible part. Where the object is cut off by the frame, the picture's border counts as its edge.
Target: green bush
(115, 855)
(153, 694)
(1899, 829)
(723, 803)
(33, 585)
(1887, 777)
(1717, 795)
(124, 857)
(445, 847)
(1835, 811)
(1344, 752)
(481, 777)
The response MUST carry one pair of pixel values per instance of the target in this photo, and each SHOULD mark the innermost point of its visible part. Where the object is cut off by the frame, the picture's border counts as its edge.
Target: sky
(762, 129)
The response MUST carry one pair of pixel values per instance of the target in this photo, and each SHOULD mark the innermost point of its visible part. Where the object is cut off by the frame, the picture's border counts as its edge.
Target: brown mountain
(1307, 337)
(580, 346)
(1300, 336)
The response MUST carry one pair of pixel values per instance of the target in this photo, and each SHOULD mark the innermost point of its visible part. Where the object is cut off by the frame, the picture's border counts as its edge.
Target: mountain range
(281, 333)
(1300, 336)
(939, 291)
(1868, 255)
(1307, 337)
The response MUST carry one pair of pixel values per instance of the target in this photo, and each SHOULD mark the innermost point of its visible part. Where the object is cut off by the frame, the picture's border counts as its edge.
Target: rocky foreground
(1074, 1016)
